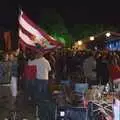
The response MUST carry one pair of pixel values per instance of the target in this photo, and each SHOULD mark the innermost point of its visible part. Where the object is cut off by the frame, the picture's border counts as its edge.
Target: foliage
(80, 31)
(53, 23)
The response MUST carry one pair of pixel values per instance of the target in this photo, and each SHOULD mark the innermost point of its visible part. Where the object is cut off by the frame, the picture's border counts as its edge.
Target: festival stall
(107, 40)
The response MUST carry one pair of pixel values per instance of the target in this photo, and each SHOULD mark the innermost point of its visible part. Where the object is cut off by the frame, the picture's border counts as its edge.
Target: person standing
(104, 70)
(50, 57)
(42, 76)
(14, 78)
(42, 93)
(89, 67)
(30, 77)
(5, 79)
(99, 67)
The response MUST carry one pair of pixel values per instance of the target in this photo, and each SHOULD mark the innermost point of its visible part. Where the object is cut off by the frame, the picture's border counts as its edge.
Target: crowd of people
(33, 72)
(8, 76)
(79, 66)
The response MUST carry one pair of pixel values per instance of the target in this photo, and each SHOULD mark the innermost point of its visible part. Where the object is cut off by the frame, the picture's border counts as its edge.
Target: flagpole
(19, 13)
(19, 8)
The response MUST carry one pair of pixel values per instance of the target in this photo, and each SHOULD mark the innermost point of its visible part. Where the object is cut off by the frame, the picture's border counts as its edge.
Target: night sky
(72, 14)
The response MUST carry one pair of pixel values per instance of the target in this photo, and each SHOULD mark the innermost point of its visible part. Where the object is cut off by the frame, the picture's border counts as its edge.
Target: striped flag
(33, 37)
(105, 114)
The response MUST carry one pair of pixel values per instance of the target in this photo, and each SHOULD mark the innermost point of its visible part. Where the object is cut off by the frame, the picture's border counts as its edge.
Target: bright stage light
(92, 38)
(108, 34)
(80, 42)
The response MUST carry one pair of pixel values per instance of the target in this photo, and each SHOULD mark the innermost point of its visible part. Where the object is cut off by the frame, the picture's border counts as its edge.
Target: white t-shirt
(88, 66)
(43, 67)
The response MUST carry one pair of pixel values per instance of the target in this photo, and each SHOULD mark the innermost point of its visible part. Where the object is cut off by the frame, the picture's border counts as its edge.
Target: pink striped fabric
(30, 35)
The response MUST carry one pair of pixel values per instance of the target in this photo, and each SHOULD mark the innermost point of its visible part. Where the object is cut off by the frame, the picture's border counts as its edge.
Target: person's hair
(4, 54)
(32, 56)
(12, 53)
(39, 54)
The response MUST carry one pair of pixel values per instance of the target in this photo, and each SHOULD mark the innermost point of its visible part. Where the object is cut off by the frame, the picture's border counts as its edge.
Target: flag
(33, 37)
(105, 114)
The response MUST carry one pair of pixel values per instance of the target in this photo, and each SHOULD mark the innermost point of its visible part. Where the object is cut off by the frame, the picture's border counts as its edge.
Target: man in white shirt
(42, 75)
(89, 67)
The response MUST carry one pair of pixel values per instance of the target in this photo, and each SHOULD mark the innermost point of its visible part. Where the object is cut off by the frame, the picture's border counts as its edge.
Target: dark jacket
(14, 69)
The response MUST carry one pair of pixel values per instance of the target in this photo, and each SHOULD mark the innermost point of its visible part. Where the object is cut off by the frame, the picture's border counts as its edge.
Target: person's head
(1, 57)
(104, 56)
(39, 54)
(31, 56)
(98, 55)
(52, 53)
(114, 53)
(12, 56)
(6, 57)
